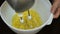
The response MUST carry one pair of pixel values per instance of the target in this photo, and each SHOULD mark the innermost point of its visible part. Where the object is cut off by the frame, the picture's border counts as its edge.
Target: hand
(56, 8)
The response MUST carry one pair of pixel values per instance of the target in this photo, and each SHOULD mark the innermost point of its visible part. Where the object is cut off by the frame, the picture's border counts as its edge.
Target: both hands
(56, 8)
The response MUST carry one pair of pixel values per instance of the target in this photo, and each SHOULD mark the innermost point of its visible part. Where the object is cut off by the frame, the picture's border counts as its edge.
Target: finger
(59, 11)
(54, 7)
(56, 15)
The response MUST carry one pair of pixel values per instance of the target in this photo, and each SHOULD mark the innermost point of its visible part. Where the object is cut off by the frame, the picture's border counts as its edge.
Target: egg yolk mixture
(34, 22)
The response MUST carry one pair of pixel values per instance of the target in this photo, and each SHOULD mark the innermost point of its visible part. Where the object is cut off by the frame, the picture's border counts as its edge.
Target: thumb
(54, 7)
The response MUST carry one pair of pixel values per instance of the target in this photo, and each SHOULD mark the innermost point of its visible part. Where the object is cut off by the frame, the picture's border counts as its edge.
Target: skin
(55, 9)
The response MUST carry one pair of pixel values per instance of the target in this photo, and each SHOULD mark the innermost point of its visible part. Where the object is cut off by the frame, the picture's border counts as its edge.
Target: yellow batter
(34, 22)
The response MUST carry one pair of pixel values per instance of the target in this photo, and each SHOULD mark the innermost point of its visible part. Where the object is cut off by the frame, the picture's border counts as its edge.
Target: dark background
(54, 28)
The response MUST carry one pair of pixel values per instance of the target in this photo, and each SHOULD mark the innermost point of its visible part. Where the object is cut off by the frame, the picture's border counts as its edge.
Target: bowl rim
(51, 18)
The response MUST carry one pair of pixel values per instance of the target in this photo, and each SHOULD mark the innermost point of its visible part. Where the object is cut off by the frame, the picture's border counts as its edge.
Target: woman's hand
(56, 8)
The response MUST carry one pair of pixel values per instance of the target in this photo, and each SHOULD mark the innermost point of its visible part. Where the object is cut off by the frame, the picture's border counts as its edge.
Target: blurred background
(54, 28)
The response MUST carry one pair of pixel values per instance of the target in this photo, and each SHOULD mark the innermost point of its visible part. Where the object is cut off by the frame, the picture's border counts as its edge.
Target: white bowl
(41, 6)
